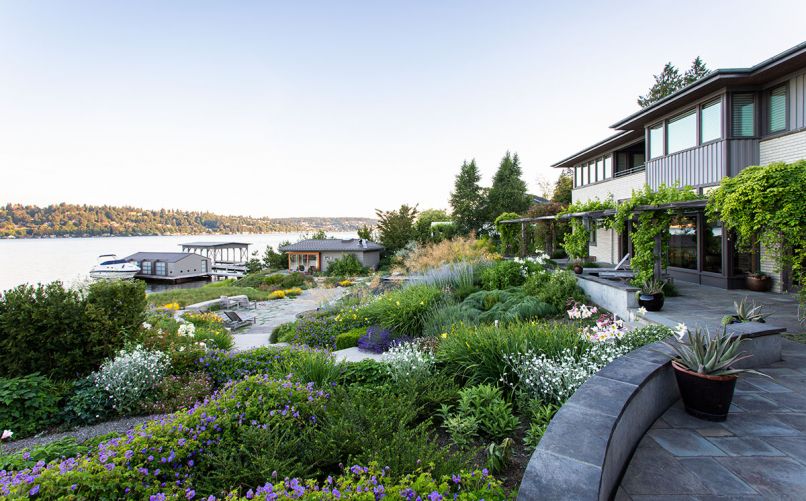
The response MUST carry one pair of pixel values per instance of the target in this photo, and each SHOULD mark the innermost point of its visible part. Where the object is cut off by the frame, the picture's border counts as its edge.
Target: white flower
(6, 434)
(680, 331)
(146, 325)
(642, 311)
(187, 329)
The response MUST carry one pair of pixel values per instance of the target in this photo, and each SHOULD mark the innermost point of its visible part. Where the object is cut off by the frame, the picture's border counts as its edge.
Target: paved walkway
(758, 453)
(703, 306)
(270, 314)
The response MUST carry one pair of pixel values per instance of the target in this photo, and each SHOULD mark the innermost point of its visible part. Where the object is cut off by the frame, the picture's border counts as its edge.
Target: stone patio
(758, 453)
(704, 306)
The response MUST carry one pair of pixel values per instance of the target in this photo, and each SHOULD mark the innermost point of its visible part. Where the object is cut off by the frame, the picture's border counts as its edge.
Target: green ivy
(510, 233)
(765, 205)
(576, 242)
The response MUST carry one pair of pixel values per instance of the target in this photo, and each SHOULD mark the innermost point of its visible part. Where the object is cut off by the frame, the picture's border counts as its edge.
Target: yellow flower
(444, 335)
(422, 302)
(397, 302)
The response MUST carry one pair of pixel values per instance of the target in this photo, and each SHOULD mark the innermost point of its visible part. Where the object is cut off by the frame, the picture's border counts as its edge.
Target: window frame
(676, 118)
(662, 126)
(754, 133)
(717, 101)
(768, 109)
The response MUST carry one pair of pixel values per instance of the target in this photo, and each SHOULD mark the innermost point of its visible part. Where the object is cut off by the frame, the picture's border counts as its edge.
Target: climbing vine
(510, 233)
(766, 205)
(649, 224)
(576, 242)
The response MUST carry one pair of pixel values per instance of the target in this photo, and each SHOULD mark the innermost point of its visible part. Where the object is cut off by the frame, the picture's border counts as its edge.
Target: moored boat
(109, 266)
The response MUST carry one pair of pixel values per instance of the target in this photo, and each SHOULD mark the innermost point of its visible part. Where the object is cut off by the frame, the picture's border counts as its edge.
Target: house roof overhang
(623, 138)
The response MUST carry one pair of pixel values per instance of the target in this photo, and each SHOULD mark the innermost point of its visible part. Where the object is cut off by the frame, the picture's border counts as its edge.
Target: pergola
(530, 220)
(220, 252)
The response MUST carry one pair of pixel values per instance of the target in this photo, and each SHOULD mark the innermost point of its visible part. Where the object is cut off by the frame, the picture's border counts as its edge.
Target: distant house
(316, 255)
(170, 266)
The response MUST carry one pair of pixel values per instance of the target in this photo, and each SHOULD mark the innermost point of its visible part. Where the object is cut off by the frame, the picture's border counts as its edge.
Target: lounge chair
(620, 270)
(234, 321)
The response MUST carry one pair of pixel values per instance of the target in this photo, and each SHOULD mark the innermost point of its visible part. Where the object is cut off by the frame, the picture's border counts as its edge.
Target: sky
(297, 108)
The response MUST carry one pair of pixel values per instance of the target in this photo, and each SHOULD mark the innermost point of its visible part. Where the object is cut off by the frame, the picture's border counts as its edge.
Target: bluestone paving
(762, 445)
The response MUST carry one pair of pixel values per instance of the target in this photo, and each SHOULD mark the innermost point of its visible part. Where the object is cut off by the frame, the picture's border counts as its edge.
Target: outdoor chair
(620, 270)
(234, 321)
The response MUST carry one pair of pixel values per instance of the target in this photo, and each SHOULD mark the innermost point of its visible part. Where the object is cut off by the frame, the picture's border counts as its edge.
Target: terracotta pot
(652, 302)
(578, 269)
(759, 283)
(705, 396)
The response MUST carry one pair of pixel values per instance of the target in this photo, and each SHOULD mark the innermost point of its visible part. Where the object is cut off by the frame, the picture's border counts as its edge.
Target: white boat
(109, 266)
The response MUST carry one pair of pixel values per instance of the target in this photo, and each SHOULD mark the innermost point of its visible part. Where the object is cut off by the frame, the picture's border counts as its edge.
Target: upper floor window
(776, 112)
(608, 167)
(711, 121)
(600, 169)
(656, 141)
(743, 115)
(681, 132)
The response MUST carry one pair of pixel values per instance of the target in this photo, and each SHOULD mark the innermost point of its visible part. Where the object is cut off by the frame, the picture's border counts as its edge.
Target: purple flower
(190, 493)
(34, 491)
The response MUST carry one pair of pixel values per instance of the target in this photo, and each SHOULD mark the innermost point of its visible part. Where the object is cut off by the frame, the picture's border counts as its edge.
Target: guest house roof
(332, 244)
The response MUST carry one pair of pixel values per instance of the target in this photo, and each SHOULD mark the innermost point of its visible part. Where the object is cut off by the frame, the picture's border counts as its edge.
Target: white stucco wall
(603, 251)
(620, 188)
(789, 148)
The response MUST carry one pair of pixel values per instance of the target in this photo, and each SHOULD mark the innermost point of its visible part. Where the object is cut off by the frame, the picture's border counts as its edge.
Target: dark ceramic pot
(578, 269)
(759, 283)
(705, 397)
(652, 302)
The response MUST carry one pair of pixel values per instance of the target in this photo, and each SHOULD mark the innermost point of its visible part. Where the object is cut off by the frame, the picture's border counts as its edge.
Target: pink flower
(6, 435)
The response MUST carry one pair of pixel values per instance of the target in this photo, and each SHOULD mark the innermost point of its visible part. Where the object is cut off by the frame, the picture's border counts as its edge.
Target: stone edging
(591, 439)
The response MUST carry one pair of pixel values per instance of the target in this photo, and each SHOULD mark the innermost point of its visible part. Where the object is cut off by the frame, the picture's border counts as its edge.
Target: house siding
(742, 153)
(370, 259)
(700, 166)
(603, 251)
(788, 148)
(620, 188)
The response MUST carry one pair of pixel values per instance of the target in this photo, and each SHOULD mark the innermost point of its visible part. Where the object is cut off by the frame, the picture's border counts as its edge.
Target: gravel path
(81, 434)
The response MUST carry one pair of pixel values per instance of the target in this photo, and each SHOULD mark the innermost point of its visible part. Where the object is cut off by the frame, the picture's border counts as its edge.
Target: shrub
(556, 288)
(409, 360)
(540, 415)
(132, 376)
(321, 332)
(346, 266)
(486, 405)
(441, 318)
(502, 275)
(511, 305)
(183, 297)
(88, 404)
(178, 392)
(224, 366)
(449, 276)
(459, 249)
(349, 339)
(278, 294)
(29, 404)
(402, 311)
(27, 458)
(364, 373)
(66, 333)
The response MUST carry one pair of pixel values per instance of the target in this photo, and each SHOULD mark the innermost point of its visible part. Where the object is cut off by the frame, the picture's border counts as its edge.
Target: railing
(627, 172)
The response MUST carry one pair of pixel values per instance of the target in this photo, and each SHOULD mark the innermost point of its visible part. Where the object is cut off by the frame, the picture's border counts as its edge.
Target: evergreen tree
(396, 227)
(698, 70)
(467, 200)
(508, 192)
(668, 81)
(563, 187)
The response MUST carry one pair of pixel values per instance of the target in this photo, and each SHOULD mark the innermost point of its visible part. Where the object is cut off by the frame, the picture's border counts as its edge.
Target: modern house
(316, 255)
(171, 266)
(712, 128)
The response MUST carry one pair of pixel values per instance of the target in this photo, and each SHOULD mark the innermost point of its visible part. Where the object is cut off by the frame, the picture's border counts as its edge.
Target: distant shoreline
(54, 237)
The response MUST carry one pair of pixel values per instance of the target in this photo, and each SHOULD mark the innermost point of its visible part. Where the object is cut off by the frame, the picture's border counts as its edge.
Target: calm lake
(70, 259)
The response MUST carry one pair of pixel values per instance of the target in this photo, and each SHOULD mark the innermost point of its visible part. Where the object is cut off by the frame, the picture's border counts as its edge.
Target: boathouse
(170, 266)
(316, 255)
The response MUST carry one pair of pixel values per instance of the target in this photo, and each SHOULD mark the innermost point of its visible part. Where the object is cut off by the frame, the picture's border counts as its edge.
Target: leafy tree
(396, 227)
(365, 232)
(510, 233)
(423, 231)
(508, 192)
(319, 235)
(670, 80)
(467, 199)
(563, 187)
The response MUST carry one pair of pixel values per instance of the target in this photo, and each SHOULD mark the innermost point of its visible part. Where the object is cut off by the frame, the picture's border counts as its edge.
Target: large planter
(578, 269)
(652, 302)
(704, 396)
(759, 283)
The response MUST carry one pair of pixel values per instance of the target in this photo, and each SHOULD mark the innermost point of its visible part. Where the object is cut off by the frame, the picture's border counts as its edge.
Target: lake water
(70, 259)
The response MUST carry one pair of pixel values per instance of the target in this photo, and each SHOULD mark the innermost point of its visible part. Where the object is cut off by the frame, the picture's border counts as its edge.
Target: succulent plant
(749, 312)
(713, 355)
(653, 287)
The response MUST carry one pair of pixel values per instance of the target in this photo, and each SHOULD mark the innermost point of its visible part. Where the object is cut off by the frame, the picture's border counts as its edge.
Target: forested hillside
(23, 221)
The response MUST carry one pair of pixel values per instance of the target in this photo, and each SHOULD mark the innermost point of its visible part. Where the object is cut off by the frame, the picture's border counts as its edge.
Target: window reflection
(712, 248)
(683, 242)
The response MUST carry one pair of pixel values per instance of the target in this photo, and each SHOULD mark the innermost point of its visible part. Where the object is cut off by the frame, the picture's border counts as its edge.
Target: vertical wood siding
(742, 153)
(699, 166)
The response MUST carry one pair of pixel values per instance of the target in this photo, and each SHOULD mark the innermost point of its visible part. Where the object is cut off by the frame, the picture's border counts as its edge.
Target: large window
(712, 248)
(584, 179)
(204, 266)
(161, 269)
(656, 141)
(682, 132)
(711, 121)
(608, 167)
(145, 267)
(600, 169)
(743, 115)
(776, 112)
(683, 242)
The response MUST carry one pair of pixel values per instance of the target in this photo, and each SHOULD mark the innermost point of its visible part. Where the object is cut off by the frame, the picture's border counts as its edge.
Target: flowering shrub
(502, 274)
(202, 318)
(130, 376)
(173, 306)
(187, 330)
(177, 392)
(345, 283)
(224, 366)
(409, 359)
(607, 329)
(278, 294)
(376, 340)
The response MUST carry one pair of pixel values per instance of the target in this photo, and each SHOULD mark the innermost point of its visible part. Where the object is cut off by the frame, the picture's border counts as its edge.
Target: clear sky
(332, 108)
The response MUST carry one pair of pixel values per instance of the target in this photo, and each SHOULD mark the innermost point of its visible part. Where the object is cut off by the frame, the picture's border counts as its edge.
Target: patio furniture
(234, 321)
(620, 270)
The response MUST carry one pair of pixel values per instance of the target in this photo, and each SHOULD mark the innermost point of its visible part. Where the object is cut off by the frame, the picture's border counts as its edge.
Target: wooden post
(658, 272)
(523, 240)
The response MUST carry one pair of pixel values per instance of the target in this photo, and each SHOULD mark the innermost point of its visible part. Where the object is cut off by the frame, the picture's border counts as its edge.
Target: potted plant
(704, 372)
(759, 282)
(578, 269)
(651, 295)
(745, 313)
